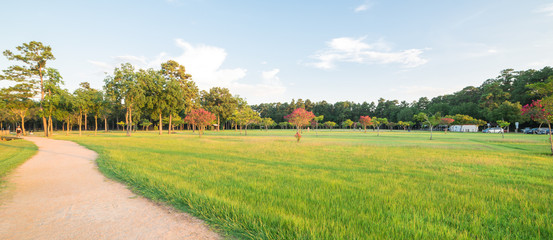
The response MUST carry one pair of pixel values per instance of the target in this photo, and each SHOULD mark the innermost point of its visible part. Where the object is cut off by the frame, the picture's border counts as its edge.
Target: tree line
(168, 98)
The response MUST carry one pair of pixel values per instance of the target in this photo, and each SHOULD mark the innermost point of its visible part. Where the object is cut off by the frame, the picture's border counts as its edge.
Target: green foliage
(347, 124)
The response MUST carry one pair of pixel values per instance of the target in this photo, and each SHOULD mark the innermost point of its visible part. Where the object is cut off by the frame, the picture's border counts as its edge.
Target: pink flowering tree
(300, 118)
(200, 118)
(446, 121)
(541, 111)
(365, 121)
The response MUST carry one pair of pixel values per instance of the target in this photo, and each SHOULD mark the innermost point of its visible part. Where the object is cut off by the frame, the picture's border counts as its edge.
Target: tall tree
(33, 56)
(124, 88)
(182, 92)
(220, 102)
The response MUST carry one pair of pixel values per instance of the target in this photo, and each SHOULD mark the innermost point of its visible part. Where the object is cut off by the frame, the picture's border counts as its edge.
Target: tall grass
(343, 185)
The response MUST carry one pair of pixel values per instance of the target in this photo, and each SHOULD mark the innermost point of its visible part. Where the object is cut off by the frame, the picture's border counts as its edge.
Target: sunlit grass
(343, 184)
(13, 153)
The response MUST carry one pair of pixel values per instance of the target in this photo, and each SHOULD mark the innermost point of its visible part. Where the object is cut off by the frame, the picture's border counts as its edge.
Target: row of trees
(499, 98)
(157, 98)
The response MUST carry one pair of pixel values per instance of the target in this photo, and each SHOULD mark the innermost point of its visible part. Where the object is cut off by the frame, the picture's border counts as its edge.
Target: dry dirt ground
(60, 194)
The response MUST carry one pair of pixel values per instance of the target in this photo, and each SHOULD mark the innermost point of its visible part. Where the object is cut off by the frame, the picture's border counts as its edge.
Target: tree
(34, 56)
(446, 121)
(155, 94)
(267, 122)
(181, 91)
(330, 124)
(220, 102)
(300, 118)
(52, 98)
(377, 122)
(430, 120)
(541, 111)
(503, 125)
(348, 123)
(246, 116)
(124, 88)
(391, 125)
(200, 118)
(145, 123)
(365, 121)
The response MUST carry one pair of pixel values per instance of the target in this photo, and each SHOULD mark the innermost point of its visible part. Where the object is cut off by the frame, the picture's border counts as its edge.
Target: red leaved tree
(300, 118)
(446, 121)
(200, 118)
(365, 121)
(541, 111)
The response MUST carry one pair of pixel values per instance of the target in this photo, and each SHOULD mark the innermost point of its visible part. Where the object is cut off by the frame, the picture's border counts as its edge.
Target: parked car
(527, 130)
(542, 131)
(493, 130)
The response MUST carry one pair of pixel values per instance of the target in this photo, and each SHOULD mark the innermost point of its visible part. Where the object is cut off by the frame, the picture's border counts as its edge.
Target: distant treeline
(499, 98)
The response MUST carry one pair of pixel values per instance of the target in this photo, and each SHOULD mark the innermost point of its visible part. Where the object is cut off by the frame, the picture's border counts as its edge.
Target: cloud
(347, 49)
(547, 9)
(268, 89)
(204, 63)
(361, 8)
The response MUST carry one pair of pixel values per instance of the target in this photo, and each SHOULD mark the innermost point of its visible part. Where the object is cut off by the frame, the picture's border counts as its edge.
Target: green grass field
(13, 153)
(343, 185)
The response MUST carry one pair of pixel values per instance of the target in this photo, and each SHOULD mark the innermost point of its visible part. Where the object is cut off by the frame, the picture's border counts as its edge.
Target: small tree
(300, 118)
(391, 125)
(446, 121)
(377, 122)
(503, 125)
(330, 124)
(541, 111)
(267, 122)
(348, 123)
(145, 123)
(431, 121)
(200, 118)
(246, 116)
(365, 121)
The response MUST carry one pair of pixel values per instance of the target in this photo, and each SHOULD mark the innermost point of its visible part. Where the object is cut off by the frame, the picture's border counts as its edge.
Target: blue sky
(268, 51)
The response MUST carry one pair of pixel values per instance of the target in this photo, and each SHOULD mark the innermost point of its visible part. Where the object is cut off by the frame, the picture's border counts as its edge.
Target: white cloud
(268, 89)
(362, 7)
(347, 49)
(204, 63)
(547, 9)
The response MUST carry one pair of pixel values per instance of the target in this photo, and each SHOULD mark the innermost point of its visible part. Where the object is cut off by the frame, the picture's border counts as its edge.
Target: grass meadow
(342, 184)
(13, 153)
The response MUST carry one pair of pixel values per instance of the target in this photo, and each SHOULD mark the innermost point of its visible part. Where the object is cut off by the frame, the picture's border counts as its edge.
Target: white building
(463, 128)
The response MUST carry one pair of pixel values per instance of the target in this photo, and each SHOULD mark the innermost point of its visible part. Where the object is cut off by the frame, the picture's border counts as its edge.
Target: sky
(269, 51)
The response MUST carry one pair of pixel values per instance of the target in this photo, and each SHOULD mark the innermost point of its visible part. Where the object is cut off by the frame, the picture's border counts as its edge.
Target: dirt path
(60, 194)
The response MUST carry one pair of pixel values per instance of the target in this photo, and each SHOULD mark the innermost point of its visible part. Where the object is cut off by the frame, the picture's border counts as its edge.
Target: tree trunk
(80, 123)
(378, 131)
(23, 125)
(365, 127)
(218, 123)
(160, 124)
(85, 121)
(106, 124)
(127, 122)
(96, 125)
(50, 126)
(246, 130)
(170, 122)
(129, 129)
(550, 141)
(430, 132)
